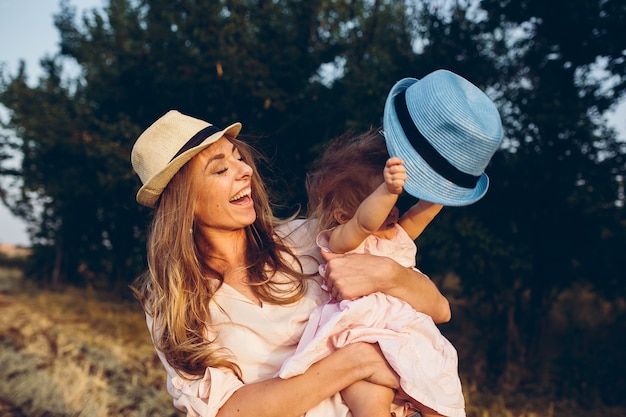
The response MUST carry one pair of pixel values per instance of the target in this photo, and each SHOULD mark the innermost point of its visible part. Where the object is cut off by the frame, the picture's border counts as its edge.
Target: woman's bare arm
(295, 396)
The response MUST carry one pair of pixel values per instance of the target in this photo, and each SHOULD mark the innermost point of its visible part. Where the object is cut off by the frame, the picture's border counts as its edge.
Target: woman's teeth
(240, 195)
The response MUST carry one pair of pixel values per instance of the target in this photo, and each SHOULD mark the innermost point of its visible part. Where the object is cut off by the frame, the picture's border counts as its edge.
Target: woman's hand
(376, 369)
(354, 275)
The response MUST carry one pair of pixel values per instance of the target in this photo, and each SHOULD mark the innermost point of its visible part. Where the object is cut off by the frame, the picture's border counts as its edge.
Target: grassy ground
(75, 354)
(72, 354)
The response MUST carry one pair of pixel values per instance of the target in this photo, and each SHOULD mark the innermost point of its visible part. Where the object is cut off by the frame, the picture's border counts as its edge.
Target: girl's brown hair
(178, 285)
(343, 176)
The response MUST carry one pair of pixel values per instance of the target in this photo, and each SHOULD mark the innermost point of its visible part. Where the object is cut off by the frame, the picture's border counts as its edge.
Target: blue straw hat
(446, 130)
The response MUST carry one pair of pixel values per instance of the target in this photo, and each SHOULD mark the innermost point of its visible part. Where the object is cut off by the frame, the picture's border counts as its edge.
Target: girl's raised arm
(415, 220)
(372, 212)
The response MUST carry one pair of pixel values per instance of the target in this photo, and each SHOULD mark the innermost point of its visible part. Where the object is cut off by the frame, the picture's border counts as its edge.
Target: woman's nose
(245, 170)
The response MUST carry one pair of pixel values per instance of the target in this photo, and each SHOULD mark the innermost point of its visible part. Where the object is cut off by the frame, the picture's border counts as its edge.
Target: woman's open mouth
(242, 197)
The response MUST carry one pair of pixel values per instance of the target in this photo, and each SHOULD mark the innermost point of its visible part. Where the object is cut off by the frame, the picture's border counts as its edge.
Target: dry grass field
(76, 354)
(73, 354)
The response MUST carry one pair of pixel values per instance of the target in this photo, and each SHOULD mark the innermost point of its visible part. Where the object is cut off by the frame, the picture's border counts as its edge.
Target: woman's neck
(224, 251)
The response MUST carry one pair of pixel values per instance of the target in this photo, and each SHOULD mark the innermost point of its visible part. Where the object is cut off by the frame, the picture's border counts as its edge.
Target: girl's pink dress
(413, 346)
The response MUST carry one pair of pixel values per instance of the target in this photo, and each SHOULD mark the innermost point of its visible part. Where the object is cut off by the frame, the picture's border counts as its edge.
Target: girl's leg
(366, 399)
(427, 412)
(424, 411)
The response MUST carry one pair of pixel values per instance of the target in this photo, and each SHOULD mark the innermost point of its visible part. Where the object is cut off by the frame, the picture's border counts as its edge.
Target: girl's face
(387, 230)
(391, 219)
(221, 185)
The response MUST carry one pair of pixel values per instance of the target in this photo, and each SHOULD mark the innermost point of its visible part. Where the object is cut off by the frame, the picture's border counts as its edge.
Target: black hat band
(426, 150)
(196, 140)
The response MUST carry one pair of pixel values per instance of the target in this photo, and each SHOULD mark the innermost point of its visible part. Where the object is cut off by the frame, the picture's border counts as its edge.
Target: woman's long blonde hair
(177, 287)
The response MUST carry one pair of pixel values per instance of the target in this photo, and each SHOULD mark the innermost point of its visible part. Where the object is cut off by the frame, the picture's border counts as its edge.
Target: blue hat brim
(423, 182)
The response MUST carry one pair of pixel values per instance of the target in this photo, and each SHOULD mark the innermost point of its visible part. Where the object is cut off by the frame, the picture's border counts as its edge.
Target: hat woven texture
(456, 124)
(168, 144)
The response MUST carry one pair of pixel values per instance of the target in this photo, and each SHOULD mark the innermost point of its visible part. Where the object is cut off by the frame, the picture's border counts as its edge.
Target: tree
(254, 61)
(554, 191)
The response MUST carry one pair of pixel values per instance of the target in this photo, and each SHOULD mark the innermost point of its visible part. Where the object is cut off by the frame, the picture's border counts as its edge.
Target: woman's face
(221, 185)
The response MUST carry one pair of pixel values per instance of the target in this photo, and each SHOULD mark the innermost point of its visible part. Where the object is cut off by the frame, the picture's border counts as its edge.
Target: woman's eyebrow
(217, 157)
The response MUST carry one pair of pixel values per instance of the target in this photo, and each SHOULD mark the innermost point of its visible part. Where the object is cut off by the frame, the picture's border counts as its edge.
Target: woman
(229, 290)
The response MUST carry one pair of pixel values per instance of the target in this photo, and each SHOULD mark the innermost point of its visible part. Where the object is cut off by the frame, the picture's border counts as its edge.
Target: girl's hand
(394, 175)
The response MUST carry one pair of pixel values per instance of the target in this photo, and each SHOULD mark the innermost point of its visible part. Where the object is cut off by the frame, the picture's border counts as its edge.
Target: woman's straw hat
(167, 145)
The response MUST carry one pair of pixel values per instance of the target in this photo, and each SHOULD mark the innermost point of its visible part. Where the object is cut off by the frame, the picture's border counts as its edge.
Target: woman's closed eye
(220, 163)
(219, 170)
(238, 156)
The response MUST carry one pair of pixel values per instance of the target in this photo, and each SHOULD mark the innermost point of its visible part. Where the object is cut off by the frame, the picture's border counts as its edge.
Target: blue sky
(27, 32)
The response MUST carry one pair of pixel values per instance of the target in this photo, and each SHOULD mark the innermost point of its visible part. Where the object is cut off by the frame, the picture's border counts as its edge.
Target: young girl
(356, 209)
(445, 130)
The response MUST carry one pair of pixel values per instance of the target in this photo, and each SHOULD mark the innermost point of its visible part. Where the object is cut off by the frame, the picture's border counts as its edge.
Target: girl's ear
(341, 216)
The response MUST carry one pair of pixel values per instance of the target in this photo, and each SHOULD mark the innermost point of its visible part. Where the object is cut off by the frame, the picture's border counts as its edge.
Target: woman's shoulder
(297, 230)
(299, 235)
